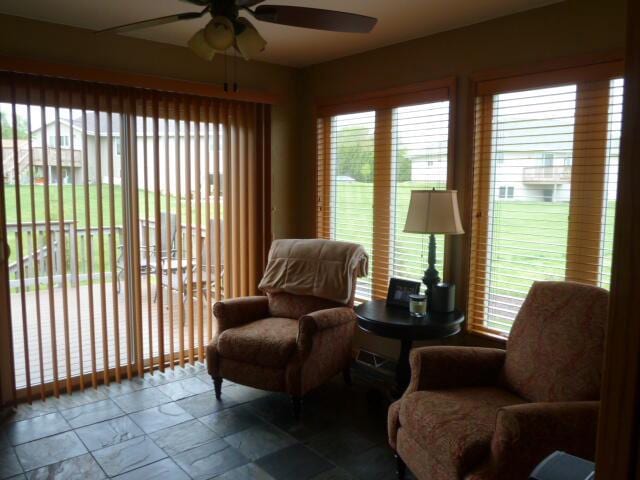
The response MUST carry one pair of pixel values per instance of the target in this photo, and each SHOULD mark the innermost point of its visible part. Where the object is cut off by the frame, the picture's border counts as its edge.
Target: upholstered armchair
(285, 342)
(481, 413)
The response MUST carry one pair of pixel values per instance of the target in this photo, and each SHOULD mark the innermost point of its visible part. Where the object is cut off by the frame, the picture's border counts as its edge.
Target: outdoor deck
(80, 329)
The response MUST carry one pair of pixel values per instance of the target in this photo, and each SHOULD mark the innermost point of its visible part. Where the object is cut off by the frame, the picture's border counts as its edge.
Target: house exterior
(97, 168)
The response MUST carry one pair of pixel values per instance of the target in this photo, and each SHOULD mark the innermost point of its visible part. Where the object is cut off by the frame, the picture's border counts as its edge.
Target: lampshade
(434, 211)
(219, 33)
(249, 42)
(200, 47)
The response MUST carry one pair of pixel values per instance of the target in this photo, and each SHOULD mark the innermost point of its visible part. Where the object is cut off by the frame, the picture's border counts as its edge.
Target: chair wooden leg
(217, 385)
(346, 374)
(296, 403)
(401, 468)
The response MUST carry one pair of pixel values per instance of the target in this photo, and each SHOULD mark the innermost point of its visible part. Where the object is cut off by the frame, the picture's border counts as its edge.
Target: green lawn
(529, 239)
(39, 209)
(524, 248)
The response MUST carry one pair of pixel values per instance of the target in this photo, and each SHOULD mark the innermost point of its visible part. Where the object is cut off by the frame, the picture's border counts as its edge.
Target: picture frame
(399, 291)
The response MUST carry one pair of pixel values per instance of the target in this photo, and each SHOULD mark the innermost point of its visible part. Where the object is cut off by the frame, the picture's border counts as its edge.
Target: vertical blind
(371, 154)
(545, 176)
(128, 213)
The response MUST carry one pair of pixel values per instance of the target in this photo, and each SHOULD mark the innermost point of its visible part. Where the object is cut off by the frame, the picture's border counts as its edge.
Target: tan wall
(31, 39)
(571, 28)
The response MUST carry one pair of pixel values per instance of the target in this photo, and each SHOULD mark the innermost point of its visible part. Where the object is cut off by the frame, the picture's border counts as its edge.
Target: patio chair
(178, 281)
(166, 221)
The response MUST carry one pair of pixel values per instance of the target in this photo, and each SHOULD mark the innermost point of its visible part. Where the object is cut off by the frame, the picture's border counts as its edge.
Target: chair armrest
(321, 320)
(454, 367)
(527, 433)
(240, 311)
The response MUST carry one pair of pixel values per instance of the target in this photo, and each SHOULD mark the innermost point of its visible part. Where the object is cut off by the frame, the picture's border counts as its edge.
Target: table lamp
(433, 212)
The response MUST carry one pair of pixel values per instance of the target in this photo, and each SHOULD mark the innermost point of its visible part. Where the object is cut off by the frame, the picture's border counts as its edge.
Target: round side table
(395, 322)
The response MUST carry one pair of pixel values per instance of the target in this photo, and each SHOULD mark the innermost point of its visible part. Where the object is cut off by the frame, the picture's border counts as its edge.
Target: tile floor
(170, 427)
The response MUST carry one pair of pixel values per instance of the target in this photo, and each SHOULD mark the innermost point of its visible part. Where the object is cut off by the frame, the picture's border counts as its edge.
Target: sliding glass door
(116, 202)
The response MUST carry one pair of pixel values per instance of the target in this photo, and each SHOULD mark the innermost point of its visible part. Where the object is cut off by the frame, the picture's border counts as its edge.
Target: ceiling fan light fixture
(249, 42)
(219, 33)
(198, 45)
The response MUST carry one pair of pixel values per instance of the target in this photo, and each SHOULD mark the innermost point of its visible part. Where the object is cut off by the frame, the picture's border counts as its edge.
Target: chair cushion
(454, 426)
(555, 349)
(295, 306)
(269, 342)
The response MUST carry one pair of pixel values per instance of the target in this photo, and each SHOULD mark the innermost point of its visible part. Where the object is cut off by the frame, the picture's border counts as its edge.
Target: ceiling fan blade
(200, 3)
(154, 22)
(315, 18)
(247, 3)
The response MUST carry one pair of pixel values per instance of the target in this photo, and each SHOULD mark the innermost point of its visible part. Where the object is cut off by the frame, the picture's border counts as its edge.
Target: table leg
(403, 369)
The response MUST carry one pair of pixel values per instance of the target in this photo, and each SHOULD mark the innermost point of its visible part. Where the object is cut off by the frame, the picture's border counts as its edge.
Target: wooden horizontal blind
(372, 151)
(129, 212)
(546, 158)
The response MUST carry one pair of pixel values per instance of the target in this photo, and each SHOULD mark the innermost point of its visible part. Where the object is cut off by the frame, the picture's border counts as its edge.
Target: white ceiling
(398, 21)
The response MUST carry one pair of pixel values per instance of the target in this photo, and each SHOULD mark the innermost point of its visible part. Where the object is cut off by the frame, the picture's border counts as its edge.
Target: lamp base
(431, 275)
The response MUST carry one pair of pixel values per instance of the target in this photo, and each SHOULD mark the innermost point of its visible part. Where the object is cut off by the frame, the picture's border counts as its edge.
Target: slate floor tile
(80, 398)
(184, 388)
(195, 369)
(126, 386)
(230, 421)
(129, 455)
(9, 464)
(338, 444)
(243, 394)
(49, 450)
(259, 441)
(209, 460)
(4, 441)
(35, 428)
(377, 462)
(111, 432)
(141, 400)
(276, 409)
(163, 470)
(160, 378)
(250, 471)
(78, 468)
(92, 413)
(184, 436)
(157, 418)
(335, 474)
(205, 404)
(35, 409)
(294, 463)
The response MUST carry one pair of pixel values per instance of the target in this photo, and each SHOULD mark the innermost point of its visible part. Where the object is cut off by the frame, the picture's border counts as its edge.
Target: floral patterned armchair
(480, 413)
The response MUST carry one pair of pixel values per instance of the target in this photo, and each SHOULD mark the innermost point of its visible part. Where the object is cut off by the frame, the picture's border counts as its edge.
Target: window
(560, 225)
(369, 161)
(64, 141)
(505, 192)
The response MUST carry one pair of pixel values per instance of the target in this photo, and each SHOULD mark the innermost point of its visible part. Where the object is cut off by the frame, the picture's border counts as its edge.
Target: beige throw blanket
(322, 268)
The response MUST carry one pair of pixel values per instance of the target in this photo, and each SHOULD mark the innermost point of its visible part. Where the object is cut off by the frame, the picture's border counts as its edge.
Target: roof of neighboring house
(115, 125)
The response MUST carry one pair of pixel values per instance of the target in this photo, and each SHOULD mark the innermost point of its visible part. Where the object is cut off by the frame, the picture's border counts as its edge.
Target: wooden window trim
(127, 79)
(382, 102)
(591, 73)
(389, 98)
(548, 73)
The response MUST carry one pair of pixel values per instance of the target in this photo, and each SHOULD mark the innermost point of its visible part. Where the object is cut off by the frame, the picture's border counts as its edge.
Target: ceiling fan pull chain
(235, 74)
(226, 84)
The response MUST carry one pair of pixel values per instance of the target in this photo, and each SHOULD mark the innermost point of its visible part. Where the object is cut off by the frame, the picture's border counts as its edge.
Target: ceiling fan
(227, 28)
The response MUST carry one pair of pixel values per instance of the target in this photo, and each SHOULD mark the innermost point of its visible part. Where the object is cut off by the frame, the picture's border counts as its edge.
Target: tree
(356, 156)
(7, 130)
